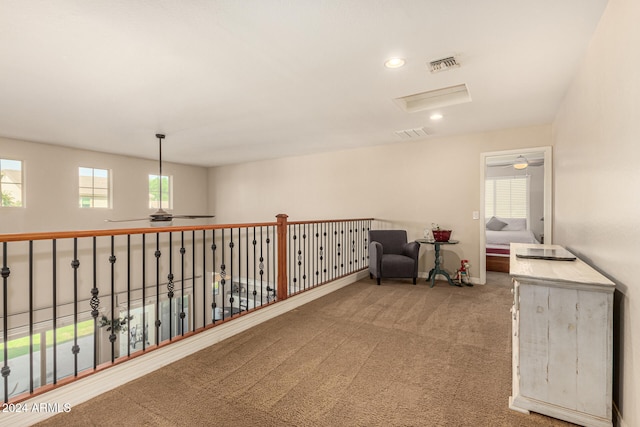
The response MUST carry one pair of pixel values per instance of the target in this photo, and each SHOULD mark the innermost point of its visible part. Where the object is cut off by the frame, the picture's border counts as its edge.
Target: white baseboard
(66, 397)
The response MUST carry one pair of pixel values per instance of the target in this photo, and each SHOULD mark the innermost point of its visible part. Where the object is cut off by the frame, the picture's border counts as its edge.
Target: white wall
(51, 181)
(596, 172)
(406, 185)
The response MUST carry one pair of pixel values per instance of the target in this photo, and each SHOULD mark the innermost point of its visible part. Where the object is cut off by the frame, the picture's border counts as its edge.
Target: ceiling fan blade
(193, 216)
(127, 220)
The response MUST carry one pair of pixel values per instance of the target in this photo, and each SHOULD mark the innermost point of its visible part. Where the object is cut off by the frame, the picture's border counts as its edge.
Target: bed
(500, 232)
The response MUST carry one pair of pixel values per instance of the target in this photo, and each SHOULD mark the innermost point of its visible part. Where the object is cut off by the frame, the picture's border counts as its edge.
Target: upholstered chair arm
(411, 249)
(375, 258)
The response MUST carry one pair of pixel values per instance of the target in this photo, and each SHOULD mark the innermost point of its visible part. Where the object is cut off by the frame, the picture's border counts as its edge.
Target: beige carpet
(366, 355)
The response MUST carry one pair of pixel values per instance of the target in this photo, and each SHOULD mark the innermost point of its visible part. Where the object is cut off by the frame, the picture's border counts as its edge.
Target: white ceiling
(231, 81)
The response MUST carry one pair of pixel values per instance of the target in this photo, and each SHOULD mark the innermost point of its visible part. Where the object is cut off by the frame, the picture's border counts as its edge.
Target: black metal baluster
(261, 267)
(75, 349)
(157, 254)
(204, 273)
(94, 303)
(182, 313)
(214, 304)
(223, 276)
(303, 254)
(5, 272)
(55, 311)
(31, 317)
(129, 293)
(231, 245)
(269, 278)
(341, 248)
(193, 275)
(145, 325)
(114, 319)
(293, 258)
(246, 247)
(254, 276)
(170, 286)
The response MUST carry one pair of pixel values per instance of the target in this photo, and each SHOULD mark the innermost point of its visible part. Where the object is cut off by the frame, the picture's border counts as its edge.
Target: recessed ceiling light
(394, 63)
(436, 116)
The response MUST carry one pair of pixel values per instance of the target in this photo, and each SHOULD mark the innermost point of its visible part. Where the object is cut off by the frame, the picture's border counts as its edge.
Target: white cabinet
(562, 319)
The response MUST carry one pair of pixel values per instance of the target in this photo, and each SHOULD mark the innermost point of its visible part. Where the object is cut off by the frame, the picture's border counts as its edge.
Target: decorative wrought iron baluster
(261, 267)
(304, 256)
(54, 299)
(5, 272)
(30, 317)
(94, 303)
(204, 272)
(223, 275)
(182, 313)
(232, 290)
(145, 322)
(157, 254)
(75, 349)
(129, 317)
(216, 286)
(254, 293)
(170, 285)
(112, 336)
(193, 281)
(271, 291)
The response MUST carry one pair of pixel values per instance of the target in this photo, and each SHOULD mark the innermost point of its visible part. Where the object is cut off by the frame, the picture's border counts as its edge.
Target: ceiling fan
(161, 216)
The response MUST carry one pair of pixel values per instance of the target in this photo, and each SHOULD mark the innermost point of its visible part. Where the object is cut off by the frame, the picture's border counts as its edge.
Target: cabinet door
(563, 356)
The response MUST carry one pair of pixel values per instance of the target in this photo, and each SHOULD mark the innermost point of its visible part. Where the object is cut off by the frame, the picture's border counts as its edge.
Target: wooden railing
(74, 303)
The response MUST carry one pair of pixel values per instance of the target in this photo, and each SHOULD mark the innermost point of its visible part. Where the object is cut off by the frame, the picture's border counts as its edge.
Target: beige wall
(597, 201)
(407, 185)
(51, 181)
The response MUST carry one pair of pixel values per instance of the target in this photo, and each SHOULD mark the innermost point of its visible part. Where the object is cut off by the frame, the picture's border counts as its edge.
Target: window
(94, 188)
(157, 186)
(507, 197)
(11, 181)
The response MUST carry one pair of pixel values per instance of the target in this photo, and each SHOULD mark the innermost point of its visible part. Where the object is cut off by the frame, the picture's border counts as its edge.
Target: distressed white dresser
(562, 327)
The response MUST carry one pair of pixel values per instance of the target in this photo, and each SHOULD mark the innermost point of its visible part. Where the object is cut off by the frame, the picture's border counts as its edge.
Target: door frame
(548, 198)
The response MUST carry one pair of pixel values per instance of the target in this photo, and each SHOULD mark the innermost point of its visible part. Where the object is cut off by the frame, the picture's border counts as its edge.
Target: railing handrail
(326, 221)
(54, 235)
(51, 235)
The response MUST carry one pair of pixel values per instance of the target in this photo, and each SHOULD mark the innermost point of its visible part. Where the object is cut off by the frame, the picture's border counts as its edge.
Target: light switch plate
(476, 215)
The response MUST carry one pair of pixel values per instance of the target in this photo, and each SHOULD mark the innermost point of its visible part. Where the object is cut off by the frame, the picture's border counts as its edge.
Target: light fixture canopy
(436, 116)
(520, 163)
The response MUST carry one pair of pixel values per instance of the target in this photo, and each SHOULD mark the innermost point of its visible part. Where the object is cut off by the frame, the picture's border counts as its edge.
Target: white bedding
(504, 237)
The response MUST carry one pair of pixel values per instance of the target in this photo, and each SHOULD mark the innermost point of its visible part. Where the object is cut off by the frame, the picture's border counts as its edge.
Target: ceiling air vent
(414, 133)
(443, 64)
(438, 98)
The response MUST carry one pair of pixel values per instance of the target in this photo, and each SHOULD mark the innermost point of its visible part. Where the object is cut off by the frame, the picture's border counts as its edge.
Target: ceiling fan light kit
(520, 163)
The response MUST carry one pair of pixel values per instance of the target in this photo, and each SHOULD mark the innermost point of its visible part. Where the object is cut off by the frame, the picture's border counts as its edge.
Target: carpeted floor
(366, 355)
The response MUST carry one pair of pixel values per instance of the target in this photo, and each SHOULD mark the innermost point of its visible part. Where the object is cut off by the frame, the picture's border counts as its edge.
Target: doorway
(515, 187)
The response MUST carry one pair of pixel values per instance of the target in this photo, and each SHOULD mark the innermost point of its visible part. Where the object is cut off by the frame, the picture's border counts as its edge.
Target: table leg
(437, 270)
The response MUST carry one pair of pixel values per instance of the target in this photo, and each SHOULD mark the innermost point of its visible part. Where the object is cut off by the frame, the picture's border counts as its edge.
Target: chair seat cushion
(397, 266)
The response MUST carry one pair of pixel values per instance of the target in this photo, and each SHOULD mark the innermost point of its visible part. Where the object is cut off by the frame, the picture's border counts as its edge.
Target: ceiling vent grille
(438, 98)
(414, 133)
(443, 64)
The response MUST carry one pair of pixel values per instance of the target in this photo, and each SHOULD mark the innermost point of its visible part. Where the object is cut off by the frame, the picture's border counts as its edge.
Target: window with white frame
(94, 188)
(160, 192)
(11, 183)
(507, 197)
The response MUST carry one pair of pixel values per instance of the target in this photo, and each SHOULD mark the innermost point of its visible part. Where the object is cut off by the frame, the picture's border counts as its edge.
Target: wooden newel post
(282, 293)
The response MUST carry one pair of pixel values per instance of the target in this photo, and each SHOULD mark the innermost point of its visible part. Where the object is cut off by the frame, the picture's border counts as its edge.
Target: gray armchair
(391, 256)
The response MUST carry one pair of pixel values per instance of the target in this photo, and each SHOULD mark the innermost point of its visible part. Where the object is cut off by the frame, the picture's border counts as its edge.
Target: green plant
(120, 324)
